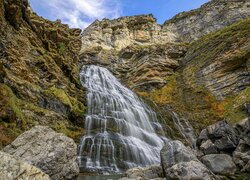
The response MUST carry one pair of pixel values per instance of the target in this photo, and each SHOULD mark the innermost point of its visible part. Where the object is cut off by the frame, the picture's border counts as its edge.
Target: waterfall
(120, 128)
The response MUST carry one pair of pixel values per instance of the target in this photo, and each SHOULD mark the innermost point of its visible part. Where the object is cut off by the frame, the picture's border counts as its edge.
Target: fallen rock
(12, 167)
(241, 156)
(175, 152)
(219, 163)
(180, 162)
(190, 170)
(151, 172)
(54, 153)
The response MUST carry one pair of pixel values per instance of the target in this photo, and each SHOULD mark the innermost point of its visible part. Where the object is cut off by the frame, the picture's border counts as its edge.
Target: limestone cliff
(39, 76)
(212, 16)
(125, 31)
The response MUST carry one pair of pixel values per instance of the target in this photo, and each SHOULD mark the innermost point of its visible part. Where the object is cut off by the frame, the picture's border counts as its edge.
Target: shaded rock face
(54, 153)
(214, 15)
(39, 75)
(179, 162)
(219, 163)
(12, 167)
(219, 137)
(125, 31)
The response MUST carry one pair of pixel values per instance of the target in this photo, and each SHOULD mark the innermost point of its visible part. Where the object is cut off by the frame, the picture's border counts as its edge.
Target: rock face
(54, 153)
(179, 162)
(123, 32)
(39, 74)
(141, 67)
(214, 15)
(219, 163)
(12, 167)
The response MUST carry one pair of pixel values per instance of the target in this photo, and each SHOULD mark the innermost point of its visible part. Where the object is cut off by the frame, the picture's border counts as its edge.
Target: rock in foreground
(13, 168)
(138, 173)
(54, 153)
(179, 162)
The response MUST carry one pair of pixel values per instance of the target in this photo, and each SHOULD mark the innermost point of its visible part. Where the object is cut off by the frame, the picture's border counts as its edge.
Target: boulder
(219, 163)
(179, 162)
(175, 152)
(151, 172)
(190, 170)
(208, 147)
(54, 153)
(241, 156)
(222, 135)
(12, 167)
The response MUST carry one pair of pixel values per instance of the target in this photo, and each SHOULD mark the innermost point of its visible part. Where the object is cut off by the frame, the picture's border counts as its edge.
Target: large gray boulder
(12, 167)
(147, 173)
(180, 162)
(54, 153)
(175, 152)
(219, 164)
(189, 170)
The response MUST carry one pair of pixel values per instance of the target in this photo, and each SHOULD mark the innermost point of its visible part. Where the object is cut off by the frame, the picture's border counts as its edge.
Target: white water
(120, 128)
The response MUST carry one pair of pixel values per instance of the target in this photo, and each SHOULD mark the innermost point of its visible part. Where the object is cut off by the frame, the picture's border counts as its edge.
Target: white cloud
(80, 13)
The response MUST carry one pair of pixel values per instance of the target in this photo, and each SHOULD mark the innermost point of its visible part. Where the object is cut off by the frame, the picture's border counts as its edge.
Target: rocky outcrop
(147, 173)
(219, 163)
(54, 153)
(39, 74)
(120, 33)
(12, 167)
(179, 162)
(212, 16)
(140, 67)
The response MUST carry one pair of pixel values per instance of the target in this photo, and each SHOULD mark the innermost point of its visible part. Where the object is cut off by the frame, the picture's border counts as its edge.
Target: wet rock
(241, 156)
(151, 172)
(54, 153)
(222, 136)
(219, 163)
(190, 170)
(12, 167)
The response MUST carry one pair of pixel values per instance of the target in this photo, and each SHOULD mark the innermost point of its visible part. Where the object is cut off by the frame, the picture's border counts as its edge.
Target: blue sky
(80, 13)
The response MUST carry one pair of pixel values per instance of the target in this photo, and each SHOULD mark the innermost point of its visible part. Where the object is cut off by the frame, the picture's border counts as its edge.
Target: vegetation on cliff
(39, 74)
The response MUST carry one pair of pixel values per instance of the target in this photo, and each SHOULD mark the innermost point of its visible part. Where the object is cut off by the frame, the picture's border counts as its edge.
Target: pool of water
(100, 177)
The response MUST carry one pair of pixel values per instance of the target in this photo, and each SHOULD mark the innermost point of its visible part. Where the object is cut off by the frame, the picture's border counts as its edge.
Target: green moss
(234, 106)
(74, 133)
(62, 48)
(60, 94)
(76, 107)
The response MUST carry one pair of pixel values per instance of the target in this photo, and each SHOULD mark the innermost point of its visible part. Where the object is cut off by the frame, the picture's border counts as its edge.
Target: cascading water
(120, 128)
